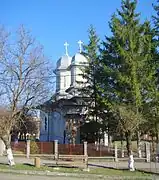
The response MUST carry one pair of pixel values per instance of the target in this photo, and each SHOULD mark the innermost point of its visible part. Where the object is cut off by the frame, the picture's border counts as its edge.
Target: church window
(45, 124)
(64, 81)
(58, 81)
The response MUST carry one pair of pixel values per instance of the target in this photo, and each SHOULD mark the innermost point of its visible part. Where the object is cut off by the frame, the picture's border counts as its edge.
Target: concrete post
(139, 151)
(56, 151)
(122, 153)
(85, 154)
(28, 149)
(147, 148)
(37, 162)
(157, 152)
(105, 138)
(116, 153)
(122, 148)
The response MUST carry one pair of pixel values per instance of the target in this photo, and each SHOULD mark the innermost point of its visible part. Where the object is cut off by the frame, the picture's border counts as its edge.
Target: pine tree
(156, 18)
(91, 51)
(125, 57)
(90, 89)
(151, 107)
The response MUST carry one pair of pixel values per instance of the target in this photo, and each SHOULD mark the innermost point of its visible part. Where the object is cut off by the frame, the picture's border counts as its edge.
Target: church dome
(79, 59)
(63, 62)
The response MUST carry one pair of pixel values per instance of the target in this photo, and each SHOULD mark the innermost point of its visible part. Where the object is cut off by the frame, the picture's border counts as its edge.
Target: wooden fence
(69, 149)
(48, 148)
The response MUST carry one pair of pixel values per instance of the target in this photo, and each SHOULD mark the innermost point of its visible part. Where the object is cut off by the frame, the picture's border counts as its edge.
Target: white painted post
(28, 149)
(56, 151)
(148, 159)
(122, 153)
(122, 148)
(85, 154)
(105, 138)
(131, 163)
(139, 151)
(157, 152)
(116, 153)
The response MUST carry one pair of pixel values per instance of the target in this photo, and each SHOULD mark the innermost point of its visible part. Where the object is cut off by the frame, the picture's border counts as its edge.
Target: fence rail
(69, 149)
(93, 150)
(18, 147)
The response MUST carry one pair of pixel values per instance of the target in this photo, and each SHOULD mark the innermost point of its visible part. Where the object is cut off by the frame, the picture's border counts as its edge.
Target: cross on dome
(66, 48)
(80, 45)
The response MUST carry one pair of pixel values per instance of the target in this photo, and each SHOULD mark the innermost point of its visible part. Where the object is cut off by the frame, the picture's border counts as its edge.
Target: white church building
(61, 116)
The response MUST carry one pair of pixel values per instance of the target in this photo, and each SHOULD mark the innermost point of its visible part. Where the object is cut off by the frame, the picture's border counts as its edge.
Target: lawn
(98, 171)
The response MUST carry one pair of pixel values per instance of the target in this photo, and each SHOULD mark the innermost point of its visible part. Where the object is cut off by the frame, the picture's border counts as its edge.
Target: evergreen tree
(151, 107)
(91, 51)
(125, 57)
(156, 18)
(90, 91)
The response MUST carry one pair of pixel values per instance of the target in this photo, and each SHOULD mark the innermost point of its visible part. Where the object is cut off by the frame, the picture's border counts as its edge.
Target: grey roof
(79, 59)
(63, 62)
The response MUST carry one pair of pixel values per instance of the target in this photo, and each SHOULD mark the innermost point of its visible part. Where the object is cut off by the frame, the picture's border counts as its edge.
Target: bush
(34, 149)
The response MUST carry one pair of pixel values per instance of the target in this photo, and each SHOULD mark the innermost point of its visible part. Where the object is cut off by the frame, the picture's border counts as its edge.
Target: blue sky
(52, 22)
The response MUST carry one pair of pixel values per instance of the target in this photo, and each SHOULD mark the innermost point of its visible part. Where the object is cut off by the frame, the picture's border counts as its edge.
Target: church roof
(79, 59)
(63, 62)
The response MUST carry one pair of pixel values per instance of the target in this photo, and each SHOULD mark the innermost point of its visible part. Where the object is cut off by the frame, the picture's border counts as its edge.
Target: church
(61, 117)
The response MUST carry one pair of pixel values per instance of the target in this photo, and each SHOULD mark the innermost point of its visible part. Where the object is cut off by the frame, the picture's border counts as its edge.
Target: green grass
(98, 171)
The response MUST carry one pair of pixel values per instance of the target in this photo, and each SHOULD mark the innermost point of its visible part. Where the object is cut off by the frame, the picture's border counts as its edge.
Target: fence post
(85, 154)
(157, 152)
(116, 153)
(122, 148)
(122, 153)
(37, 162)
(28, 149)
(41, 147)
(147, 152)
(56, 151)
(139, 151)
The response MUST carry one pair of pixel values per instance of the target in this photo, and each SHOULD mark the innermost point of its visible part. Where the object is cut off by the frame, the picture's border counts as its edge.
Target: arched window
(64, 81)
(45, 124)
(58, 81)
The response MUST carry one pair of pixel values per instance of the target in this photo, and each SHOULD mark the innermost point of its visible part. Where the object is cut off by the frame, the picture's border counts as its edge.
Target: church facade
(62, 115)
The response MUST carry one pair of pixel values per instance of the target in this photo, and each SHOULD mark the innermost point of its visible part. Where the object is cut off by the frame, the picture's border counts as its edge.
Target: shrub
(34, 149)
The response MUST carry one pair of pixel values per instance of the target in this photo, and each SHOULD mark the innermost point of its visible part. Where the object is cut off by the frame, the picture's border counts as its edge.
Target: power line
(43, 77)
(13, 78)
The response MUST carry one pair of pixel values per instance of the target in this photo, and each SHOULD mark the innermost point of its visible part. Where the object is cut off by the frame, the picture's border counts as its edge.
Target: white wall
(76, 76)
(63, 80)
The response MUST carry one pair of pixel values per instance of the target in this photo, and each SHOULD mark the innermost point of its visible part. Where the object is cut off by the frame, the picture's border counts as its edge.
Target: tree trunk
(128, 136)
(153, 145)
(6, 140)
(109, 141)
(139, 144)
(157, 133)
(157, 137)
(2, 147)
(128, 143)
(122, 146)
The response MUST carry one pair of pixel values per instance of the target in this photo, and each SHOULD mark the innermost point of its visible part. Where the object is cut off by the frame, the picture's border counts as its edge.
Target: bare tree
(25, 81)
